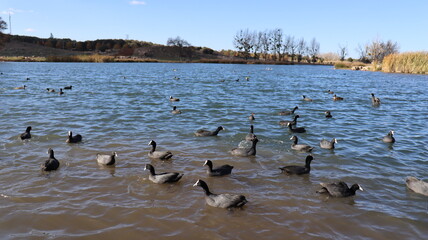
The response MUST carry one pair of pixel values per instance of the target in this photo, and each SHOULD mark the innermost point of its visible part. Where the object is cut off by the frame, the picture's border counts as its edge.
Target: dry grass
(348, 65)
(22, 59)
(80, 58)
(409, 62)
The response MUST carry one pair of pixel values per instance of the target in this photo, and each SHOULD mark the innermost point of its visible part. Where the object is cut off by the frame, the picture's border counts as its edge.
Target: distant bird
(417, 186)
(299, 147)
(339, 189)
(107, 159)
(172, 99)
(50, 89)
(375, 100)
(293, 122)
(22, 87)
(296, 130)
(389, 138)
(328, 144)
(51, 163)
(298, 170)
(218, 171)
(206, 133)
(176, 78)
(283, 113)
(251, 117)
(306, 98)
(247, 78)
(175, 110)
(328, 114)
(68, 87)
(162, 155)
(251, 134)
(245, 152)
(166, 177)
(26, 134)
(336, 98)
(60, 92)
(27, 78)
(224, 200)
(330, 92)
(73, 139)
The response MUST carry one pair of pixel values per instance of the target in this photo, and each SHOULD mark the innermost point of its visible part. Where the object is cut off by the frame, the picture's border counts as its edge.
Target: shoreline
(110, 59)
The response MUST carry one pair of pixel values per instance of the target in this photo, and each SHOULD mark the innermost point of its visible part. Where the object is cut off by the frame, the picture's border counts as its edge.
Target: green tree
(3, 26)
(178, 42)
(117, 46)
(89, 46)
(69, 45)
(48, 43)
(244, 42)
(184, 47)
(60, 44)
(80, 46)
(277, 43)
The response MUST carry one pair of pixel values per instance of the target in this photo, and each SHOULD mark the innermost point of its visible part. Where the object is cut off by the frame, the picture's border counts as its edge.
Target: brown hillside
(17, 48)
(161, 52)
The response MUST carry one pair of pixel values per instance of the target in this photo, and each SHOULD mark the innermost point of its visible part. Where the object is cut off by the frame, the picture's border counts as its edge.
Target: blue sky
(214, 23)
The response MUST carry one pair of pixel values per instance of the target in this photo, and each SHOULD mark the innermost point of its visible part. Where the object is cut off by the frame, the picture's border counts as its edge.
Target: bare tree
(300, 49)
(243, 41)
(390, 48)
(291, 45)
(257, 39)
(265, 43)
(363, 54)
(377, 50)
(277, 42)
(178, 42)
(313, 50)
(286, 47)
(343, 52)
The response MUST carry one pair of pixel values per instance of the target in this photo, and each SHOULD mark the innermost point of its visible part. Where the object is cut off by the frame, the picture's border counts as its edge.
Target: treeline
(376, 50)
(274, 45)
(124, 47)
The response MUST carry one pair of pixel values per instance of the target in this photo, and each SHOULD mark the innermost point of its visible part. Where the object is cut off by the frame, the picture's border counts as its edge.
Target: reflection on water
(121, 114)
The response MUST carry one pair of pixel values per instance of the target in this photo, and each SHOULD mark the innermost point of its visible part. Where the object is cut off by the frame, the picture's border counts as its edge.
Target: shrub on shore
(409, 62)
(342, 65)
(354, 65)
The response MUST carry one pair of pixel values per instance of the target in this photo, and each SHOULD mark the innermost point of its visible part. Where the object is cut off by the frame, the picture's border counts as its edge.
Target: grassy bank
(22, 59)
(349, 65)
(409, 62)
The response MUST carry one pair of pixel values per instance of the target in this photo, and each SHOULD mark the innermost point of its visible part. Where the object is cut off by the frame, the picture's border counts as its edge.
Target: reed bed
(408, 62)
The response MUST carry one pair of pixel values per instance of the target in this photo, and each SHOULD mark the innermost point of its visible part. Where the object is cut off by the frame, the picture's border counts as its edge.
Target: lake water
(121, 107)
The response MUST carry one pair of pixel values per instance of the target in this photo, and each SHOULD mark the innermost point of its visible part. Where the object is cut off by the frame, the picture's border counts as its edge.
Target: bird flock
(226, 200)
